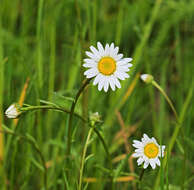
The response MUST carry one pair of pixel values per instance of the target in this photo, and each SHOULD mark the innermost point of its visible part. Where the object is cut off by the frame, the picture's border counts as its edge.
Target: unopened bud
(13, 111)
(95, 118)
(147, 78)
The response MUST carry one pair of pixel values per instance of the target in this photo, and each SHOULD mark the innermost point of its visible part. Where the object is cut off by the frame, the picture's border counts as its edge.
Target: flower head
(147, 78)
(107, 66)
(13, 111)
(148, 151)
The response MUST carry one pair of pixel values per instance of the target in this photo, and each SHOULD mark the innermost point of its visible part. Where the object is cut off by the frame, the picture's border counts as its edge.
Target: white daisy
(13, 111)
(107, 66)
(148, 151)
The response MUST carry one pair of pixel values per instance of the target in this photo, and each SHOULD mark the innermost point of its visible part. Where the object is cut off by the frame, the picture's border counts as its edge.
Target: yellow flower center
(151, 150)
(107, 65)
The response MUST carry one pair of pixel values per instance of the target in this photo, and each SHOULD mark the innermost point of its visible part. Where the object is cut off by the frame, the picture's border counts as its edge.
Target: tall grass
(44, 42)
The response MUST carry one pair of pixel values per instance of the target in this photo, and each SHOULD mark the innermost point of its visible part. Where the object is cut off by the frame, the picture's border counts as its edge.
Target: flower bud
(95, 118)
(147, 78)
(13, 111)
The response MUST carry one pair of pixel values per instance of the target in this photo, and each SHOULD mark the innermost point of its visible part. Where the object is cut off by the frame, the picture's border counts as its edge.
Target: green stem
(83, 158)
(140, 178)
(104, 145)
(107, 152)
(86, 82)
(176, 131)
(32, 108)
(167, 99)
(141, 174)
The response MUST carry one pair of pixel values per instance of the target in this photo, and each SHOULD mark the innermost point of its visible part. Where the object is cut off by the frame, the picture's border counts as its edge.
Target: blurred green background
(42, 45)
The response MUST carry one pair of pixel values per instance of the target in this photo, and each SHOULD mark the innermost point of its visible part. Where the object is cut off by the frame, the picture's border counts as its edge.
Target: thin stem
(104, 145)
(167, 99)
(83, 158)
(176, 130)
(32, 108)
(107, 152)
(141, 174)
(86, 82)
(140, 178)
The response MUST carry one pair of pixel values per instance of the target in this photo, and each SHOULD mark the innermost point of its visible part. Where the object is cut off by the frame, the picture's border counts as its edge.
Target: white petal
(95, 51)
(140, 161)
(161, 152)
(91, 72)
(154, 140)
(112, 83)
(129, 65)
(123, 74)
(128, 59)
(158, 161)
(89, 65)
(145, 165)
(111, 50)
(106, 84)
(100, 48)
(101, 83)
(106, 51)
(118, 57)
(123, 69)
(153, 164)
(114, 52)
(89, 61)
(145, 158)
(118, 75)
(137, 144)
(97, 79)
(145, 138)
(91, 55)
(121, 62)
(136, 155)
(117, 83)
(139, 150)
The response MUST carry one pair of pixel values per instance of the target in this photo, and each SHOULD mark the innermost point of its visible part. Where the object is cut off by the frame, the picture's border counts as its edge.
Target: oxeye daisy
(107, 66)
(148, 151)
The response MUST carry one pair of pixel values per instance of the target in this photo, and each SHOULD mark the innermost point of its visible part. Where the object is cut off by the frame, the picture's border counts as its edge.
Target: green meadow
(59, 142)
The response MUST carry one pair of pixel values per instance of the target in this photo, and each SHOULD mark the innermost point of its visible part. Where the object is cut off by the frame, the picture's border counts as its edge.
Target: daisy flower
(107, 66)
(148, 151)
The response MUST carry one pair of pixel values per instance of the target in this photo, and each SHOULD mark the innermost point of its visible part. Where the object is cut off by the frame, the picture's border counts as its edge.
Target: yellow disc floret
(107, 66)
(151, 150)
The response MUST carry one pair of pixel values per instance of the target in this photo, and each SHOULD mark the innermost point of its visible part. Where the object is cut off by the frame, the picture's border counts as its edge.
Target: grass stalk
(85, 83)
(2, 62)
(51, 73)
(176, 131)
(39, 50)
(108, 155)
(39, 65)
(167, 99)
(83, 158)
